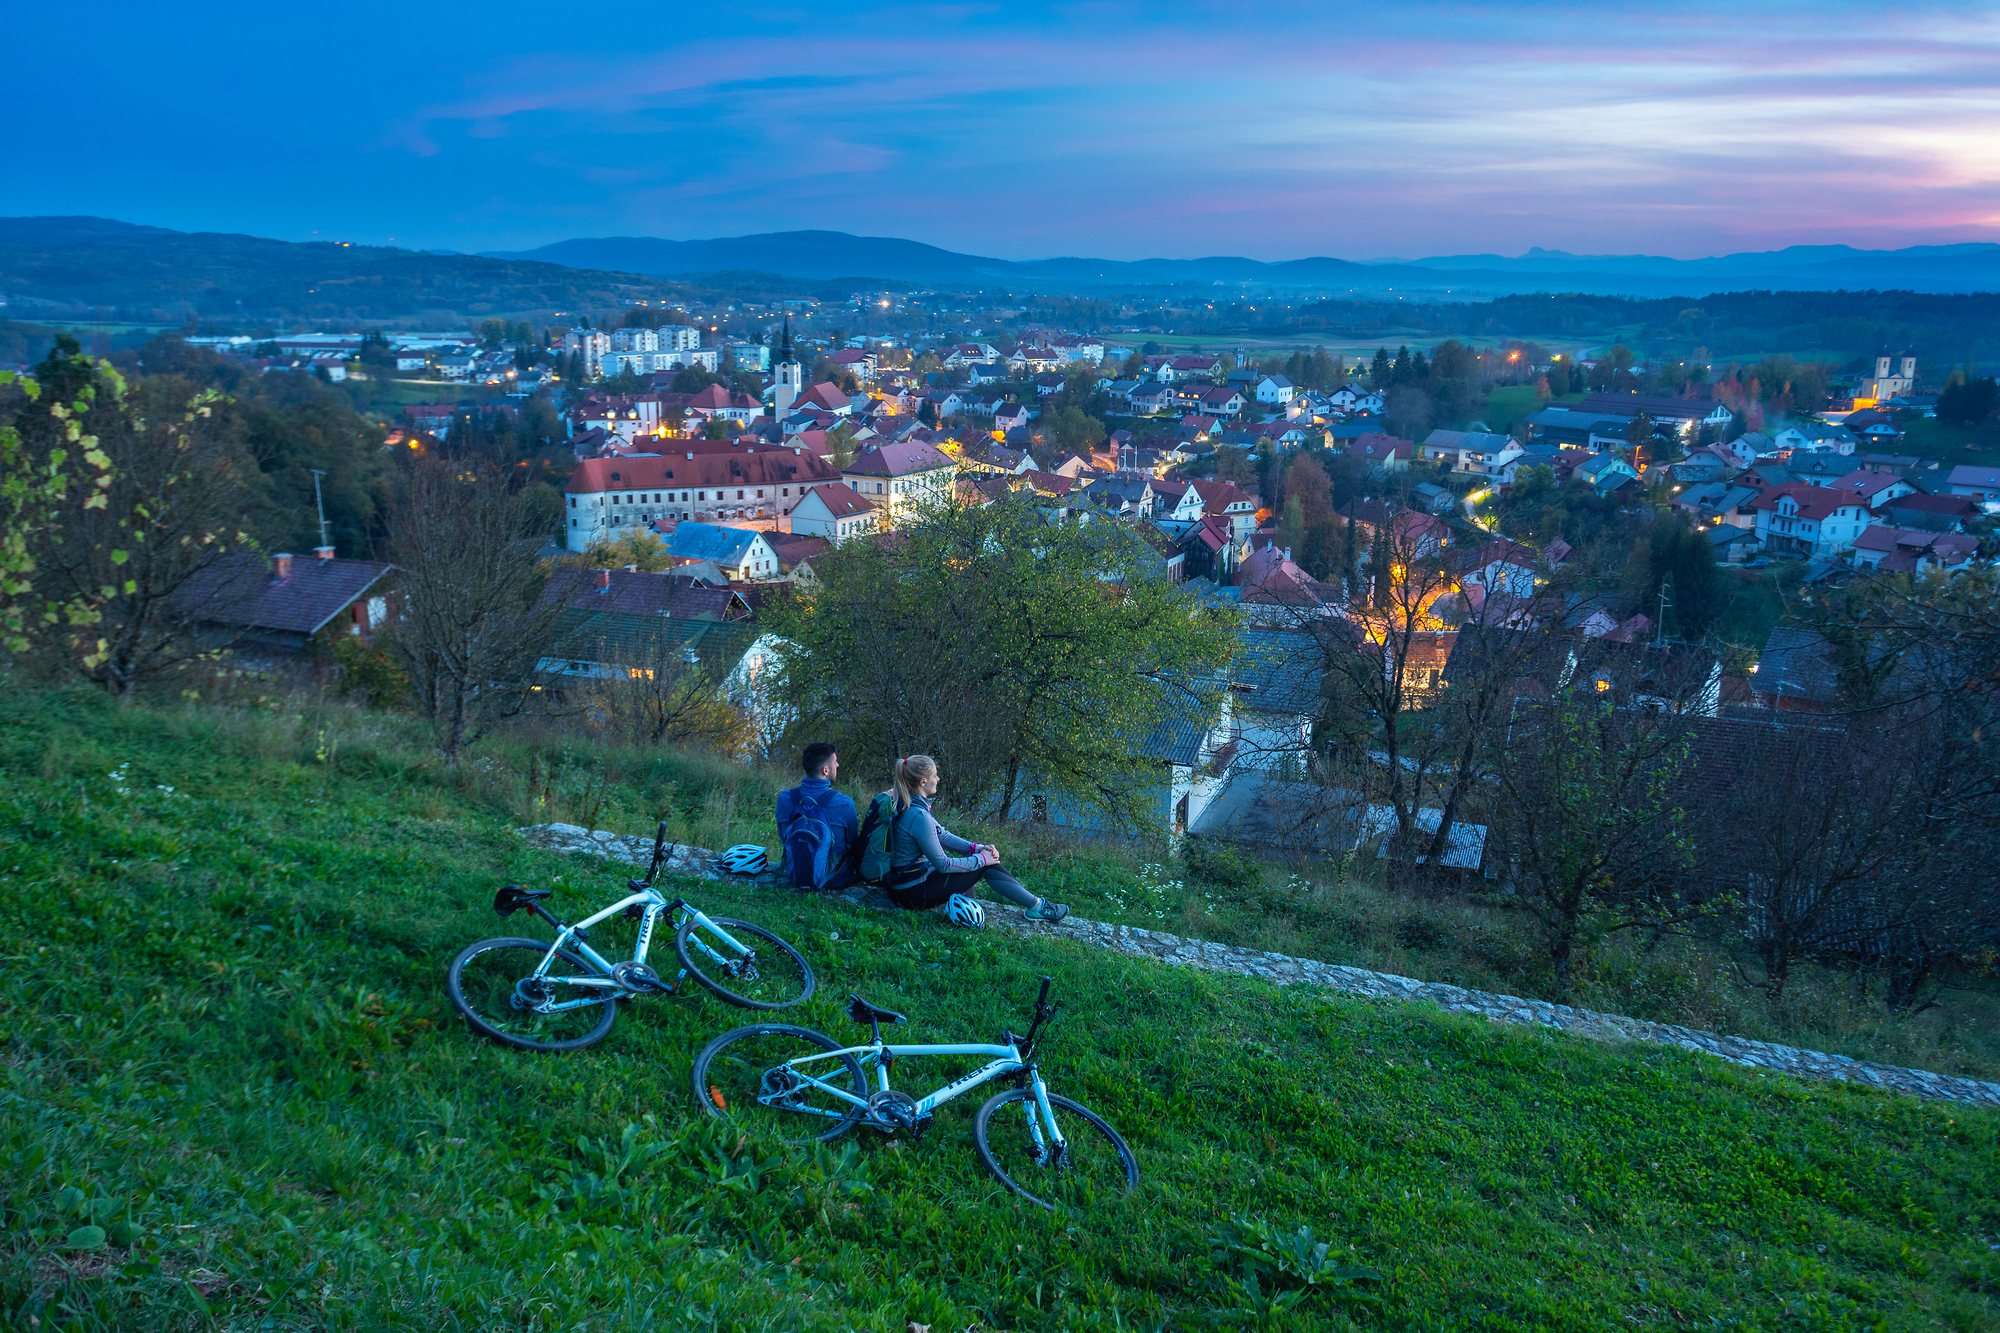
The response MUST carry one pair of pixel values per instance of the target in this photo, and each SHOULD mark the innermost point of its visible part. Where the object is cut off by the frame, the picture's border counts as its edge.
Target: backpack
(871, 848)
(808, 845)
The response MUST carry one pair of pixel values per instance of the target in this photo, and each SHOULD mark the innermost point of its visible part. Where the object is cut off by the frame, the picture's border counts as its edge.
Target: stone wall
(1284, 970)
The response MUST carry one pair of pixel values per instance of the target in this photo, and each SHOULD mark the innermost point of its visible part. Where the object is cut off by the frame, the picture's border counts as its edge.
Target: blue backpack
(809, 847)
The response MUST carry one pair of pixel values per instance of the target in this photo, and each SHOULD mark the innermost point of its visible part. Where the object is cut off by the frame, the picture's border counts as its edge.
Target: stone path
(1284, 970)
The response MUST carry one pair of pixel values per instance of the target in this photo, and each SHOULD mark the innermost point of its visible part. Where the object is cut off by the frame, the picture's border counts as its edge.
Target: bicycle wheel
(742, 1076)
(1095, 1166)
(491, 983)
(770, 975)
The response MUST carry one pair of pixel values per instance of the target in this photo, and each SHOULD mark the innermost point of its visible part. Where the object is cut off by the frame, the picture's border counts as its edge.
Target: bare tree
(660, 692)
(473, 625)
(1589, 831)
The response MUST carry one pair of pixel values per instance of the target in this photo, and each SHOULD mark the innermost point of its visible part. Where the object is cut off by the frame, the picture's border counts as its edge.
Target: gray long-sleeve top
(917, 837)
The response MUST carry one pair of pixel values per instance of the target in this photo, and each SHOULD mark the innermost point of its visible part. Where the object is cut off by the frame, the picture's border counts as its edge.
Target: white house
(834, 511)
(898, 477)
(740, 553)
(1276, 390)
(1809, 520)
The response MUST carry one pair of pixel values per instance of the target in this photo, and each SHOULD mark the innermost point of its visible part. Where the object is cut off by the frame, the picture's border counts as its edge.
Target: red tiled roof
(1814, 502)
(753, 466)
(842, 500)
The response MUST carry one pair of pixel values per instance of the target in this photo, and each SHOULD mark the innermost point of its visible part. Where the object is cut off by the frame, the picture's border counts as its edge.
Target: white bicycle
(563, 996)
(795, 1084)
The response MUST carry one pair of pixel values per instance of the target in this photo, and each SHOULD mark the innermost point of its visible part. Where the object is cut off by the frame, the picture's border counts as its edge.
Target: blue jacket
(835, 808)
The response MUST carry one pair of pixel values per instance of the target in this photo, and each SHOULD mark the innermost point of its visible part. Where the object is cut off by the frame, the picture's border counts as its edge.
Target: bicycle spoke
(765, 1079)
(1090, 1167)
(759, 971)
(494, 985)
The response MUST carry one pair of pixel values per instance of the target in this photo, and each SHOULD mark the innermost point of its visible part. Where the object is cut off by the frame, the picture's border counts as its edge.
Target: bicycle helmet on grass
(745, 858)
(963, 911)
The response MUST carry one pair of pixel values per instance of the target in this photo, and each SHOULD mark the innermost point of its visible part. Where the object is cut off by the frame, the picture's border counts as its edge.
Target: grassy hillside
(225, 1042)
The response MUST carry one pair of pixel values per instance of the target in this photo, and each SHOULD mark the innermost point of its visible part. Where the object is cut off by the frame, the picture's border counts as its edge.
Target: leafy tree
(36, 492)
(693, 379)
(492, 333)
(164, 556)
(1074, 431)
(629, 381)
(634, 546)
(1966, 402)
(986, 637)
(1291, 534)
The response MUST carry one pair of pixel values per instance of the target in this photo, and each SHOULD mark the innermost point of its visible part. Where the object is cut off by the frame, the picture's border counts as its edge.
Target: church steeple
(787, 374)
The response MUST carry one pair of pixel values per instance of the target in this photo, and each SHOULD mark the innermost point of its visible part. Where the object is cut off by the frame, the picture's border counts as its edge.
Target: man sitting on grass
(817, 825)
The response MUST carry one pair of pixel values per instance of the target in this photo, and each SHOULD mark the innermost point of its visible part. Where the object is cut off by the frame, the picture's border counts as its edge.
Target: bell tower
(788, 376)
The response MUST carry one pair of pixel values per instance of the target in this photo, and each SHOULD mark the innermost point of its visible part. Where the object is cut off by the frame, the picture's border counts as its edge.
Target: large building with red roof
(606, 496)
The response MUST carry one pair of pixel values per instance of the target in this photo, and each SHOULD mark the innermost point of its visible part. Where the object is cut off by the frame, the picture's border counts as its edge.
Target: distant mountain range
(101, 270)
(822, 255)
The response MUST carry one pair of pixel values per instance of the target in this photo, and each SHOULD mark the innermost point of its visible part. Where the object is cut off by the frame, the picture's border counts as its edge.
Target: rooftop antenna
(320, 505)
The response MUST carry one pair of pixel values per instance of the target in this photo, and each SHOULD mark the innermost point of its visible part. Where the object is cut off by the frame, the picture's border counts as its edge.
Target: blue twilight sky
(1022, 130)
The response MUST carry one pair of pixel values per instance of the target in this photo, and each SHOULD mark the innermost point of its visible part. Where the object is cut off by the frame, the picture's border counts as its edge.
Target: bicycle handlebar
(659, 851)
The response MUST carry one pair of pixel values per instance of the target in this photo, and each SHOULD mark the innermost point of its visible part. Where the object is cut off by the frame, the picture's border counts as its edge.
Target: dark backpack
(809, 846)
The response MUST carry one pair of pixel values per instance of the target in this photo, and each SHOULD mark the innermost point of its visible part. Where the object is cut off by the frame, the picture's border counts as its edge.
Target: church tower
(788, 376)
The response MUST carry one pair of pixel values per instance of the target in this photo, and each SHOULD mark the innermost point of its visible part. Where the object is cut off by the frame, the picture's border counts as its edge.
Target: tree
(1409, 411)
(156, 558)
(1967, 402)
(493, 333)
(1075, 431)
(1291, 534)
(664, 696)
(473, 626)
(693, 379)
(1380, 370)
(633, 547)
(1307, 481)
(1025, 654)
(1592, 838)
(35, 492)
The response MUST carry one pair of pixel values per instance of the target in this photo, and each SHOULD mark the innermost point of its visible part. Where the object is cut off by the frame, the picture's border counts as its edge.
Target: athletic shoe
(1044, 910)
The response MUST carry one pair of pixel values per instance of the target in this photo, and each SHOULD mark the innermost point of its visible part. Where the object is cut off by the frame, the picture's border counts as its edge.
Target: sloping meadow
(235, 1096)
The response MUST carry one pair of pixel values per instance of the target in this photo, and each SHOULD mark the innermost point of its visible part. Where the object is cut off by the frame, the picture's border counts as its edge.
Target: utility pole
(319, 504)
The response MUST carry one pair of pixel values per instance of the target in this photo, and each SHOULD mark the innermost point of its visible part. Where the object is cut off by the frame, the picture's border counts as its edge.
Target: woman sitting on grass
(921, 875)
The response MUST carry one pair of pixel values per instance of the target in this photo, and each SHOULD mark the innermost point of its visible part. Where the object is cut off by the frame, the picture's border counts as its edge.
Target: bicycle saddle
(861, 1011)
(513, 898)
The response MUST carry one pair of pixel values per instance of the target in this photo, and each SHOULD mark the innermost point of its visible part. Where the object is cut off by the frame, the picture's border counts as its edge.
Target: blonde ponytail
(909, 777)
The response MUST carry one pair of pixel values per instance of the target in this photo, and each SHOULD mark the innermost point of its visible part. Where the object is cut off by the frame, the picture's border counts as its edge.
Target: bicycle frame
(1042, 1127)
(656, 906)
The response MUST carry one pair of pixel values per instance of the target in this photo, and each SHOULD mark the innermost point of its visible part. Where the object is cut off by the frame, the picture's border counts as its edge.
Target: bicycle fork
(1050, 1148)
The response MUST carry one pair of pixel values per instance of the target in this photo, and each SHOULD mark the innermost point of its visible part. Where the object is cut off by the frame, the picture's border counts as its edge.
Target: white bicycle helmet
(745, 858)
(963, 911)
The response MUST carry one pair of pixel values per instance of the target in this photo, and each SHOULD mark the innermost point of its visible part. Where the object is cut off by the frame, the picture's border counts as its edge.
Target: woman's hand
(988, 856)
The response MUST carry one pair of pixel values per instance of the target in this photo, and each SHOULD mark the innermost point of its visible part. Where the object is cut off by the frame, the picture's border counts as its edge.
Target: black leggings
(941, 884)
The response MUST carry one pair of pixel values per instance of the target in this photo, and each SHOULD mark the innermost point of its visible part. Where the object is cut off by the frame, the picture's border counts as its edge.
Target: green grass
(225, 1041)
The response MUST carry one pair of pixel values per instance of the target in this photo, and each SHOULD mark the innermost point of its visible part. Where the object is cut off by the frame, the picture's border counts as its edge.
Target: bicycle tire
(495, 992)
(1089, 1148)
(727, 1088)
(781, 961)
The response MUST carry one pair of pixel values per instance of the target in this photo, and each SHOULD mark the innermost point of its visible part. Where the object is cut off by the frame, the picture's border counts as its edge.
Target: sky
(1113, 130)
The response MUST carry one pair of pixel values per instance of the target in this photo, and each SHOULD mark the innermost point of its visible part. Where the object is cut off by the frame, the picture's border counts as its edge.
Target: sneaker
(1044, 910)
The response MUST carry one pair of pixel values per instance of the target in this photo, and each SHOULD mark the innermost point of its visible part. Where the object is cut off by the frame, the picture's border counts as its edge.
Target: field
(237, 1099)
